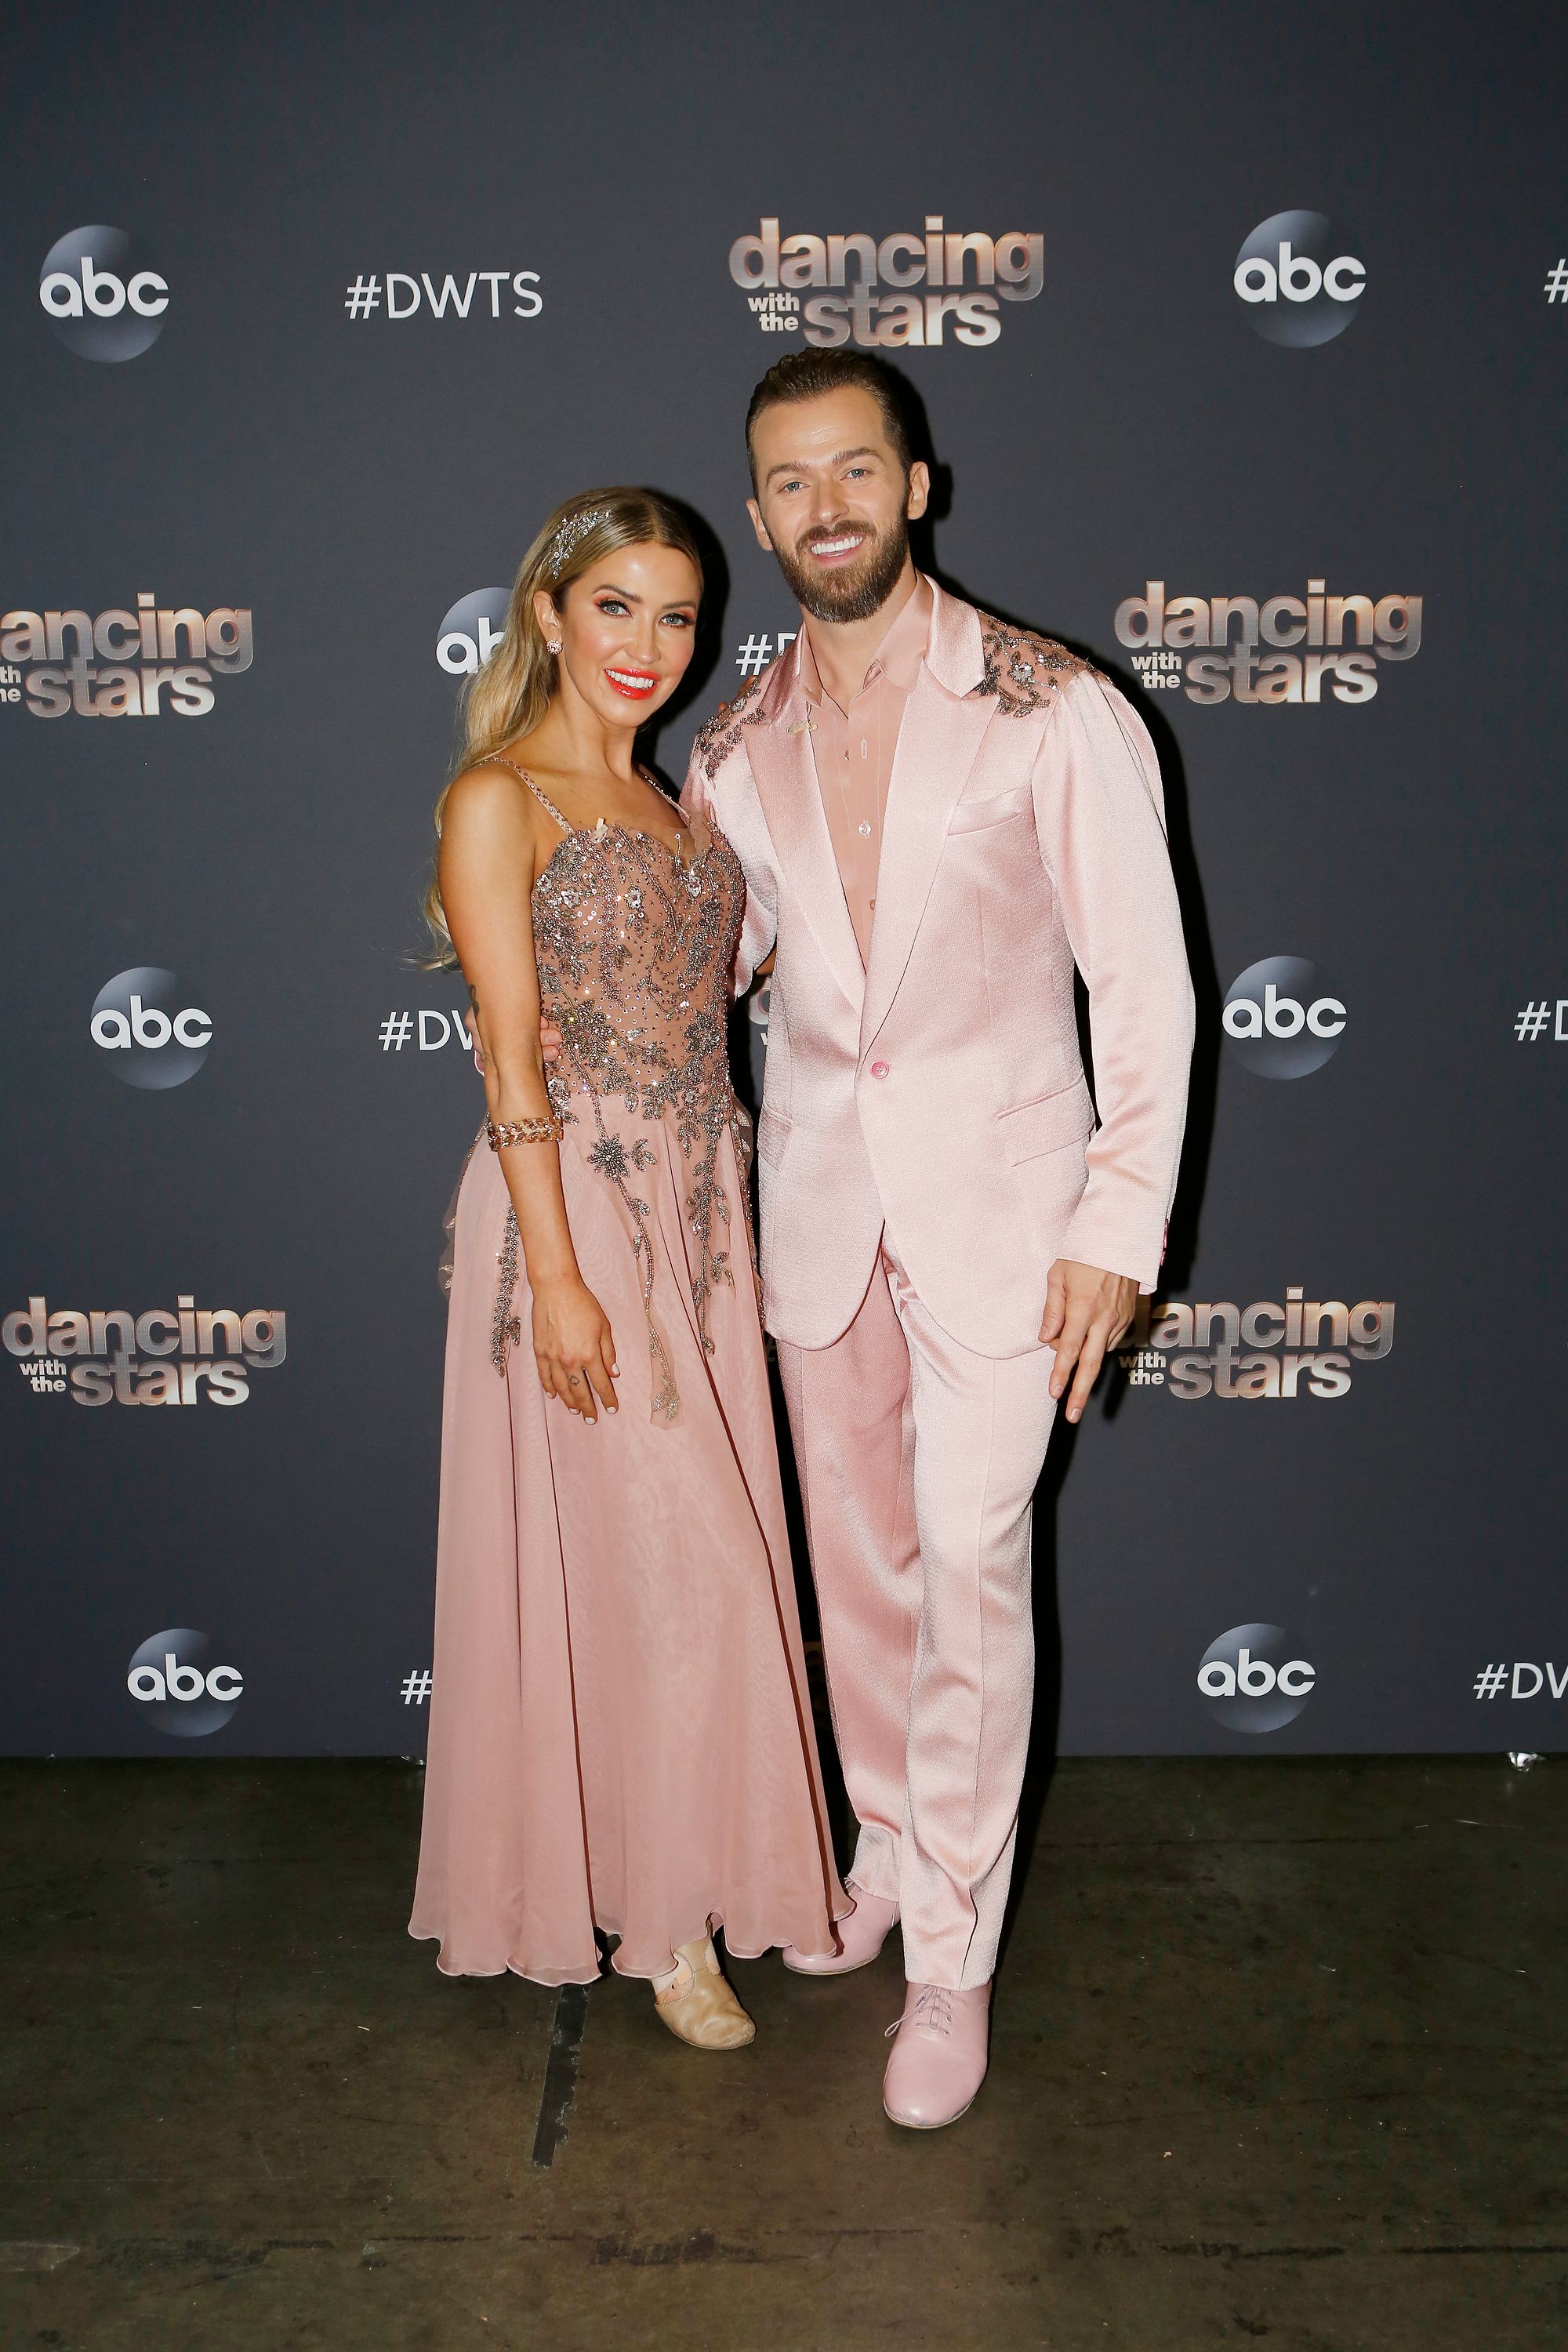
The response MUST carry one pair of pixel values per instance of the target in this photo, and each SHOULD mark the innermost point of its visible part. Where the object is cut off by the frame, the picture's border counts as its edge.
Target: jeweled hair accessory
(571, 535)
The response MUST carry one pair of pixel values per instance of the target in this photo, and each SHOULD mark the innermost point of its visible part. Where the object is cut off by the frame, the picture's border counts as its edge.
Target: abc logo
(1251, 1682)
(1281, 1019)
(1299, 288)
(175, 1689)
(101, 301)
(471, 631)
(151, 1040)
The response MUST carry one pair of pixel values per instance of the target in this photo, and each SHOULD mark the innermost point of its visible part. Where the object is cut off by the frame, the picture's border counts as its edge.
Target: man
(938, 817)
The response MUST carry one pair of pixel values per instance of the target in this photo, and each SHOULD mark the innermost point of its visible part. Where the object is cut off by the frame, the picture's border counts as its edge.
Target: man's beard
(857, 590)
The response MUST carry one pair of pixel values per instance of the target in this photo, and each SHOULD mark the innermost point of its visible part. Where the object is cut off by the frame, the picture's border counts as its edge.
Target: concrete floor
(1280, 2054)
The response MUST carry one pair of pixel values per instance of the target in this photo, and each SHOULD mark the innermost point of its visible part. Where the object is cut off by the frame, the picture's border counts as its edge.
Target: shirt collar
(898, 657)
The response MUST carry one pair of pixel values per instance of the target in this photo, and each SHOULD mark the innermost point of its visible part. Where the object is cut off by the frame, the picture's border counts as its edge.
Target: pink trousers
(918, 1461)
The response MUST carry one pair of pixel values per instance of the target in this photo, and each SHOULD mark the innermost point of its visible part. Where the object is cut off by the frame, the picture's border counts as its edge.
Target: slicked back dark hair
(808, 374)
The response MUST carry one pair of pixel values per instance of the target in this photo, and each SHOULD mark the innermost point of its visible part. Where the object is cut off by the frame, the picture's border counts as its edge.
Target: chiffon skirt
(620, 1732)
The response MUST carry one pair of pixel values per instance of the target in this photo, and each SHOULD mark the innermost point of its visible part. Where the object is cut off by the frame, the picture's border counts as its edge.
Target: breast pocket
(978, 816)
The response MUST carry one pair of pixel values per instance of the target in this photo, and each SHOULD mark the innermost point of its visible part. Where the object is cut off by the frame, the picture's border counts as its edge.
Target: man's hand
(1087, 1312)
(548, 1041)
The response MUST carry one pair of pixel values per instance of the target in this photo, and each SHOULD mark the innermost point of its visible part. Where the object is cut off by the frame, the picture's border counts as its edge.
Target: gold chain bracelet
(524, 1130)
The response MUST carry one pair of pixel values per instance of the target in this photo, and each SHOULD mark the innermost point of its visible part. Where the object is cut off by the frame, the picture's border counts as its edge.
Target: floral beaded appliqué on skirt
(505, 1329)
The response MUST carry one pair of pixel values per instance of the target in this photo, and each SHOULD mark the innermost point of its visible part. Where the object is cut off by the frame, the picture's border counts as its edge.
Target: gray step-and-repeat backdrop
(1240, 342)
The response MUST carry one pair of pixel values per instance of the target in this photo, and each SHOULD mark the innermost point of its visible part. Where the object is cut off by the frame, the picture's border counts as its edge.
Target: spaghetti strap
(496, 760)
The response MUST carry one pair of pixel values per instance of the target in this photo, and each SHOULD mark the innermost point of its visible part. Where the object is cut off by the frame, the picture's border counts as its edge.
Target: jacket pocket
(974, 816)
(1031, 1129)
(773, 1134)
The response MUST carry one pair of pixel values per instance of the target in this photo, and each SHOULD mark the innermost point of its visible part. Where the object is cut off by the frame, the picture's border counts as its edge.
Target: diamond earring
(552, 645)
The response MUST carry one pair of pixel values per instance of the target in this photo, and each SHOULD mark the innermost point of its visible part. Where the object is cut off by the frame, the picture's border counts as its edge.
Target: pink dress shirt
(853, 752)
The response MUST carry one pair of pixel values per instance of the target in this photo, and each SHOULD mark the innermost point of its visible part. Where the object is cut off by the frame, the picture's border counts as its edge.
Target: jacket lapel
(943, 727)
(784, 771)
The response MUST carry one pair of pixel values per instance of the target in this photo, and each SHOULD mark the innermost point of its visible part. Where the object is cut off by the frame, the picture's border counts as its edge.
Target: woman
(620, 1733)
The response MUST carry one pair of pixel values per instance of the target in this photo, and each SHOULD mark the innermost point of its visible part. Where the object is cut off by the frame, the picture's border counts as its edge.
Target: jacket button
(879, 1069)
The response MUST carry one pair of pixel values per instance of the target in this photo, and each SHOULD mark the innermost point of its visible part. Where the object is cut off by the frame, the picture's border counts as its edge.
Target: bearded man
(939, 817)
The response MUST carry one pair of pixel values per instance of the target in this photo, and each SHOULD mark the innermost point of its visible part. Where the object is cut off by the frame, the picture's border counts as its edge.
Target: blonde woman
(620, 1735)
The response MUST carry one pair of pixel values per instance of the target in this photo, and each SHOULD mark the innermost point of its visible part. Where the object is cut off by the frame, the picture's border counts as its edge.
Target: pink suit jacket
(939, 1092)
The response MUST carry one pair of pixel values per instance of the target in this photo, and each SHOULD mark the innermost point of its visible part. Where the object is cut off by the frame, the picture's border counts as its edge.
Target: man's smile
(839, 548)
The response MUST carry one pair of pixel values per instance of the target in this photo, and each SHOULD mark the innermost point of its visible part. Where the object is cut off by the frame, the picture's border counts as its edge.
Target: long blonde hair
(509, 694)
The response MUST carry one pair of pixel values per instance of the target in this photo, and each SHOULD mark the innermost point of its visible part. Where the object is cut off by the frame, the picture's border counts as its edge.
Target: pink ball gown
(620, 1729)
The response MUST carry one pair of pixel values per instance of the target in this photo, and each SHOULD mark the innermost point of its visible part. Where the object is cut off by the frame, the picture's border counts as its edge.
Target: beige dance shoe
(698, 2005)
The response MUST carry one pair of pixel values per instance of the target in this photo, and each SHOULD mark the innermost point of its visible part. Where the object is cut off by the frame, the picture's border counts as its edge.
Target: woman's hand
(573, 1346)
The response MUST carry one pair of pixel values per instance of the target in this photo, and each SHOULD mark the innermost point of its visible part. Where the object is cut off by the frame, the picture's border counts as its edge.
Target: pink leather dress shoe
(861, 1936)
(940, 2058)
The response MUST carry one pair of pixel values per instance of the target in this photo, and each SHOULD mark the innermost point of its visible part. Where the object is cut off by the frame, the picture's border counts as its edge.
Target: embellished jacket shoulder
(718, 737)
(1025, 671)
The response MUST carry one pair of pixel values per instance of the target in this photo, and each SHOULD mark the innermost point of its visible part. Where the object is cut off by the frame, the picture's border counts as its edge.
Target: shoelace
(932, 2013)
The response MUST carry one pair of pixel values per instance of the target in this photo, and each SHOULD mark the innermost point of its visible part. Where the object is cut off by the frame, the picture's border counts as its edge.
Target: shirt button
(879, 1070)
(864, 830)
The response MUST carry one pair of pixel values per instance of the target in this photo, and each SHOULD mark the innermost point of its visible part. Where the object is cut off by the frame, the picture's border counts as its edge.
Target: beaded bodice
(634, 947)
